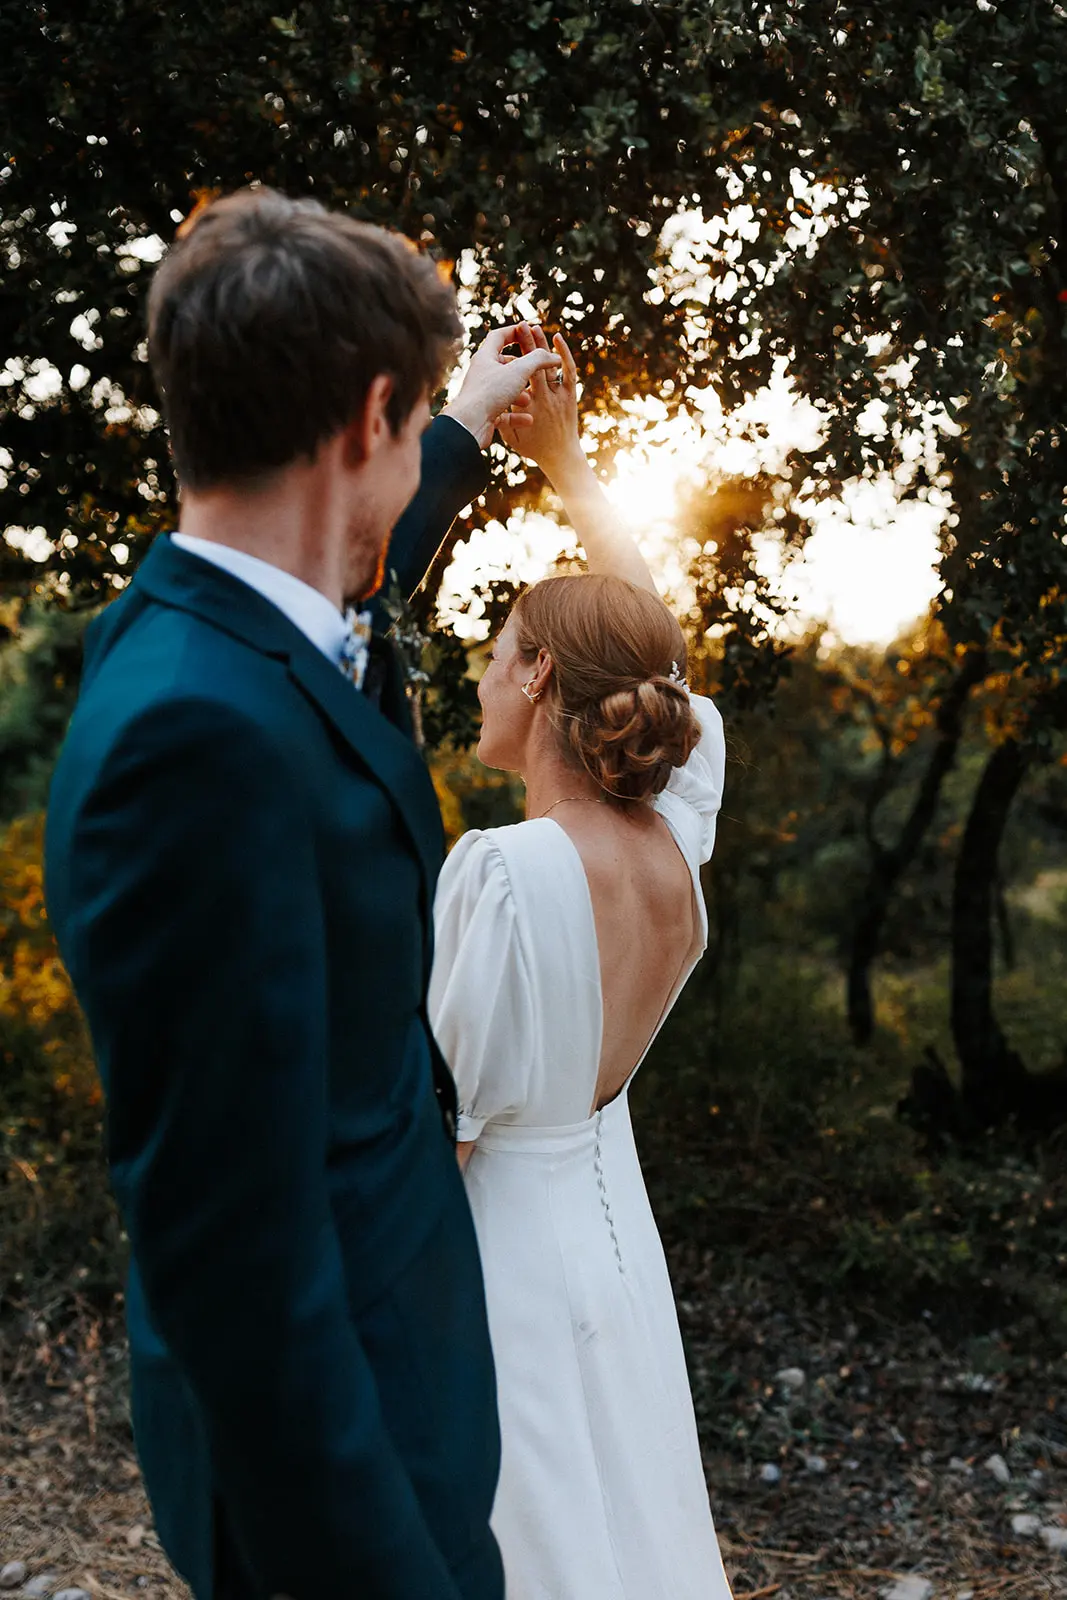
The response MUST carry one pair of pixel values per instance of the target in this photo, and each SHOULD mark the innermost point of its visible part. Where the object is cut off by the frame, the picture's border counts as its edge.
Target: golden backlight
(866, 572)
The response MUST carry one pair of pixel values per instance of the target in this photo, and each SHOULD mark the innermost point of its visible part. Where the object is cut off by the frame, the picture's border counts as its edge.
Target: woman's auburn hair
(619, 713)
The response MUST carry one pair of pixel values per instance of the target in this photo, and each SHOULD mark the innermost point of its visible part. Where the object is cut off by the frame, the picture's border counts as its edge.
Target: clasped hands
(530, 398)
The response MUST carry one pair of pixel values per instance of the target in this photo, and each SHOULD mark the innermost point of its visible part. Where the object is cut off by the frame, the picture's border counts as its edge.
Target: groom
(242, 850)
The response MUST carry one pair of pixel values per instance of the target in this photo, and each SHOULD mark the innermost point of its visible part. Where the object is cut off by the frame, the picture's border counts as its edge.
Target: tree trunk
(1004, 927)
(866, 939)
(993, 1078)
(887, 866)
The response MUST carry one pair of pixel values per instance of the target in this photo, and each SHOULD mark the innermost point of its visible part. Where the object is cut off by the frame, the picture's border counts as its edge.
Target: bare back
(645, 915)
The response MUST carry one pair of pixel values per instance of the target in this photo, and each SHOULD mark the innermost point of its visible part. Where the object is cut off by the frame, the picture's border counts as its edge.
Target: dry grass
(904, 1427)
(889, 1503)
(71, 1501)
(812, 1576)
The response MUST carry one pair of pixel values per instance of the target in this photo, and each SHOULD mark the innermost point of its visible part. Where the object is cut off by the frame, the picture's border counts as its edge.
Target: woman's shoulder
(485, 853)
(709, 716)
(474, 859)
(474, 891)
(520, 863)
(693, 794)
(518, 839)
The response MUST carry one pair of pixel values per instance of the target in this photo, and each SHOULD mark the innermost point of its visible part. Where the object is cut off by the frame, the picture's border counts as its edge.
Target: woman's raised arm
(552, 442)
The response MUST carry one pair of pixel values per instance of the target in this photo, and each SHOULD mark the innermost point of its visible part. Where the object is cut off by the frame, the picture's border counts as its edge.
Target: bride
(562, 944)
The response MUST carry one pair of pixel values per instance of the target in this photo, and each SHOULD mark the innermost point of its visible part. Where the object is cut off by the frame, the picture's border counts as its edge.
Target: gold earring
(528, 692)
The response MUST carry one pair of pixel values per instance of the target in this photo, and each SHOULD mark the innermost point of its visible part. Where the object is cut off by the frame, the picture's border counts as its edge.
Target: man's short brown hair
(269, 319)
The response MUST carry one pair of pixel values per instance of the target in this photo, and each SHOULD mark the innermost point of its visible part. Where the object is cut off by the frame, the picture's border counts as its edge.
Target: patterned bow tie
(355, 651)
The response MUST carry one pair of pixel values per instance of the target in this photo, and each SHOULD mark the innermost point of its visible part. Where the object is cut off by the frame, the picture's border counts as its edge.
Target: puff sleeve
(481, 1002)
(699, 784)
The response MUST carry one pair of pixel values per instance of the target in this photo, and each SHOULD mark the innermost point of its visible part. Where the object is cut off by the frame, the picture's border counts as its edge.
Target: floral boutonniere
(410, 645)
(355, 650)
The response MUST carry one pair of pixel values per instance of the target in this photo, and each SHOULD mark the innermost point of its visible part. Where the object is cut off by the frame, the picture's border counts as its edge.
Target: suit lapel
(178, 578)
(387, 754)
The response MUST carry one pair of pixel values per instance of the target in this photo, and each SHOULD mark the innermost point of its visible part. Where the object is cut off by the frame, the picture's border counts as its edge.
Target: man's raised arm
(453, 464)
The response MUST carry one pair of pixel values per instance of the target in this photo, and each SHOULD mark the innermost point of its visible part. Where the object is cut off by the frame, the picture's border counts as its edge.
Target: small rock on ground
(12, 1575)
(1055, 1540)
(999, 1468)
(791, 1378)
(72, 1594)
(909, 1587)
(1025, 1524)
(39, 1588)
(770, 1473)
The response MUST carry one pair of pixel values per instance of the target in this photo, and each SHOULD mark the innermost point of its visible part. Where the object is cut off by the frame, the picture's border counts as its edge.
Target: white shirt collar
(307, 608)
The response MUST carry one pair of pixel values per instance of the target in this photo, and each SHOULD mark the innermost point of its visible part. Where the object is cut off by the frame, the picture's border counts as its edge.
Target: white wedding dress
(602, 1493)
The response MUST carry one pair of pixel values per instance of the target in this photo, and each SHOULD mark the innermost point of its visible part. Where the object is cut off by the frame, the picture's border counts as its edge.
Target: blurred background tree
(549, 143)
(705, 198)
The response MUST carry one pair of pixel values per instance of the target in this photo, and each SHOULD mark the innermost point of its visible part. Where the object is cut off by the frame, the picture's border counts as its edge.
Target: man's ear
(367, 432)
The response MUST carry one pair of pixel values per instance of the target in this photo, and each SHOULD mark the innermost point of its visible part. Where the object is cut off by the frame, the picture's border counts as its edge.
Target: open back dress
(602, 1493)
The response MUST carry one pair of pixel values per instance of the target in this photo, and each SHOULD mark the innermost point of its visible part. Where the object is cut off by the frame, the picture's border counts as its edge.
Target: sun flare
(867, 570)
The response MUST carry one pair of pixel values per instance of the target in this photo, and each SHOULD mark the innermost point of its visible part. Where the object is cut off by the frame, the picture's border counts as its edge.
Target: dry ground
(901, 1429)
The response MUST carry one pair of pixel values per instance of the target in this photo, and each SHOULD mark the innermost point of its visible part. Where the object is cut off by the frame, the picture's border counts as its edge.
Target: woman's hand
(464, 1151)
(494, 392)
(548, 434)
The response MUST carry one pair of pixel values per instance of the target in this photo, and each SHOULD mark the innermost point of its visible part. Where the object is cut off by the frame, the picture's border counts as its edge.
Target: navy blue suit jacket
(241, 860)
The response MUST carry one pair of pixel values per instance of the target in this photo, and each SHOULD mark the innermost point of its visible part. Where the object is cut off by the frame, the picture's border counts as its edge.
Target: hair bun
(631, 740)
(616, 699)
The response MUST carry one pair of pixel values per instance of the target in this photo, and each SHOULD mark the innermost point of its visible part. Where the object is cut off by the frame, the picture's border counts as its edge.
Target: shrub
(772, 1143)
(61, 1239)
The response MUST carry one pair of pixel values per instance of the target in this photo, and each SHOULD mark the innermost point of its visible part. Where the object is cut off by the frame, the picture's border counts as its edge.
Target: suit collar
(306, 607)
(180, 579)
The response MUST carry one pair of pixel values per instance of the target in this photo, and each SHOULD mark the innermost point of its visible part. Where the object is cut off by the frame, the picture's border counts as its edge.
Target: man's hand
(549, 434)
(494, 389)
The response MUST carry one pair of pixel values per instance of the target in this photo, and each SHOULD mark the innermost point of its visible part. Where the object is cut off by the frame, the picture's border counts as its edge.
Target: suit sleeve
(199, 880)
(453, 474)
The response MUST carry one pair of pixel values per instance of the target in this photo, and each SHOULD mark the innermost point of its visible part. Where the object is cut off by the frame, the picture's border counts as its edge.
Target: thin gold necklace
(585, 799)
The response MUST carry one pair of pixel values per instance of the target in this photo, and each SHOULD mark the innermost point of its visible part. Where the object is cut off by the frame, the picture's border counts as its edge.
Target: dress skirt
(602, 1493)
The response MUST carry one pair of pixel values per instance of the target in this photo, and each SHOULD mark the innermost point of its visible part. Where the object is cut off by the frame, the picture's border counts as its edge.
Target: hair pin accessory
(675, 675)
